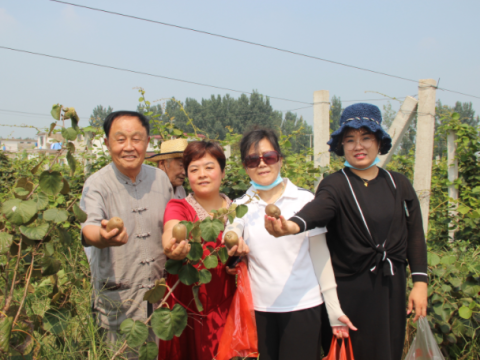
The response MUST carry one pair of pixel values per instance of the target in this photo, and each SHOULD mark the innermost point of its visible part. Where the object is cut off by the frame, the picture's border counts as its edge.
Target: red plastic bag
(340, 352)
(239, 336)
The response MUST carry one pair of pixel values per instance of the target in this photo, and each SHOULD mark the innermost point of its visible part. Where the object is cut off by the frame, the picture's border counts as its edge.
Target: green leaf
(231, 218)
(173, 266)
(188, 274)
(455, 116)
(198, 303)
(463, 209)
(66, 187)
(50, 266)
(52, 126)
(55, 321)
(136, 331)
(211, 229)
(223, 254)
(5, 242)
(56, 215)
(241, 210)
(18, 211)
(148, 351)
(166, 323)
(140, 99)
(210, 262)
(196, 251)
(36, 232)
(433, 259)
(438, 338)
(5, 333)
(56, 111)
(458, 328)
(205, 276)
(156, 294)
(64, 236)
(69, 133)
(71, 162)
(50, 250)
(41, 200)
(70, 147)
(79, 213)
(472, 305)
(448, 260)
(456, 282)
(465, 312)
(51, 183)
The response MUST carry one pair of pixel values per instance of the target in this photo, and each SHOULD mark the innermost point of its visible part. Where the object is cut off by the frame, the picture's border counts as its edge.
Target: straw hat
(170, 149)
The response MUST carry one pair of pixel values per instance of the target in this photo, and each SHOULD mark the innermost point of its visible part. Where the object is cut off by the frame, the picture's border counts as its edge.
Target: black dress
(372, 231)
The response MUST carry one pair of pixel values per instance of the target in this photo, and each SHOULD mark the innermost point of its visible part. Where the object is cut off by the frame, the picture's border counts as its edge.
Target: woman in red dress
(205, 167)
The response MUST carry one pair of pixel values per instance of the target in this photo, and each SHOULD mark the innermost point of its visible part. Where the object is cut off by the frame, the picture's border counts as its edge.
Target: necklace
(365, 181)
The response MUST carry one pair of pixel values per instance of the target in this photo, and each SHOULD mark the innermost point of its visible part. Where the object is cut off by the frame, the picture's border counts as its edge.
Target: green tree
(98, 116)
(216, 115)
(292, 123)
(442, 113)
(335, 113)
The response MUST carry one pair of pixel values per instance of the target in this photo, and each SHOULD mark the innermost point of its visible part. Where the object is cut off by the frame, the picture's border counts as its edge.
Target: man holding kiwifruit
(125, 203)
(170, 160)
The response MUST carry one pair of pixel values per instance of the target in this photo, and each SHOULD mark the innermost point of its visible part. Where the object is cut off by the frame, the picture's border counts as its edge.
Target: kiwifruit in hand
(273, 211)
(179, 232)
(115, 223)
(231, 239)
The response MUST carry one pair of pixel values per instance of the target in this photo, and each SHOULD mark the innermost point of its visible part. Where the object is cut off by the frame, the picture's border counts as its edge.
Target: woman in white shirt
(288, 275)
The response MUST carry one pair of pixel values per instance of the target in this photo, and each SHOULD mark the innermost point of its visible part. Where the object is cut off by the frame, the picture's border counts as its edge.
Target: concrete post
(321, 127)
(228, 151)
(422, 175)
(399, 126)
(452, 176)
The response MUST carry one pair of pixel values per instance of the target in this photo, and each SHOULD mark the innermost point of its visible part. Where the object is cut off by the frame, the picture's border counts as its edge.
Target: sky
(411, 39)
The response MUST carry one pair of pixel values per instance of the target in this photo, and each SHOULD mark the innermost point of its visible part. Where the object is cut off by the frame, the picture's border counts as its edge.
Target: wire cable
(145, 73)
(256, 44)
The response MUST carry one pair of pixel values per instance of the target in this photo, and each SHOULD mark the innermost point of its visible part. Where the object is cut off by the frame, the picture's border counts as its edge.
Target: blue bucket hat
(357, 116)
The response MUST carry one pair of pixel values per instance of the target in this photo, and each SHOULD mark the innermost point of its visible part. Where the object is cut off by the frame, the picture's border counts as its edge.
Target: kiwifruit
(273, 211)
(179, 232)
(231, 239)
(115, 223)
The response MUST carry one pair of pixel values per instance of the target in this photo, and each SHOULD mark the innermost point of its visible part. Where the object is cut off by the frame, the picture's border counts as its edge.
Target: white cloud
(71, 19)
(7, 21)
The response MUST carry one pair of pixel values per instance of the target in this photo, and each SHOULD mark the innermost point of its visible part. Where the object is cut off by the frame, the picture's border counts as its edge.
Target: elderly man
(125, 264)
(170, 161)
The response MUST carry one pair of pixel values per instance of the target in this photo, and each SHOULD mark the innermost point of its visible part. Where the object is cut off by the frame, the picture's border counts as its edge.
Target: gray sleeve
(93, 203)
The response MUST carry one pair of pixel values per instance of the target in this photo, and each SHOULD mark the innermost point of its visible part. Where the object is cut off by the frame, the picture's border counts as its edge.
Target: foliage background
(63, 298)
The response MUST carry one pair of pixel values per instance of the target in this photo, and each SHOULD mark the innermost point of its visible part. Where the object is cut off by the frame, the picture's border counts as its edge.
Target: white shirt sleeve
(322, 265)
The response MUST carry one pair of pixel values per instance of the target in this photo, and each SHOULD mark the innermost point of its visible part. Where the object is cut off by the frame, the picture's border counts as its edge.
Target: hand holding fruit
(235, 245)
(276, 224)
(113, 232)
(178, 247)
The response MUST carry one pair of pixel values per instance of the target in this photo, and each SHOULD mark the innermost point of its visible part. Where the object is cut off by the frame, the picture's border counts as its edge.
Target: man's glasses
(269, 158)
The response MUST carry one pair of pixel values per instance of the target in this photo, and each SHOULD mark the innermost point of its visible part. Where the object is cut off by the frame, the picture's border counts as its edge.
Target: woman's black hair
(339, 150)
(253, 137)
(107, 124)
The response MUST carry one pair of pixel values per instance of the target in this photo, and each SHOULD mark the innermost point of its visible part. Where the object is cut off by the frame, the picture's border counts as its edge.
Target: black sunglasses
(269, 158)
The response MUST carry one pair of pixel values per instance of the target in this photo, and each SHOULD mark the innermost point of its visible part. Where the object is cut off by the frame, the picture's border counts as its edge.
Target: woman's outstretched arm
(322, 265)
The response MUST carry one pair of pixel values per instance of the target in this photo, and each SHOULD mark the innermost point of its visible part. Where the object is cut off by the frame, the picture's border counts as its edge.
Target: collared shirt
(180, 193)
(122, 274)
(282, 277)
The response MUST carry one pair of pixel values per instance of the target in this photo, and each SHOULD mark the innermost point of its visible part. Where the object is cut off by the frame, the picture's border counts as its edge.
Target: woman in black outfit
(374, 229)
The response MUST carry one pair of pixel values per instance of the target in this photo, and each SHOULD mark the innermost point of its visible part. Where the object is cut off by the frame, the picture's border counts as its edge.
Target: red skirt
(201, 337)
